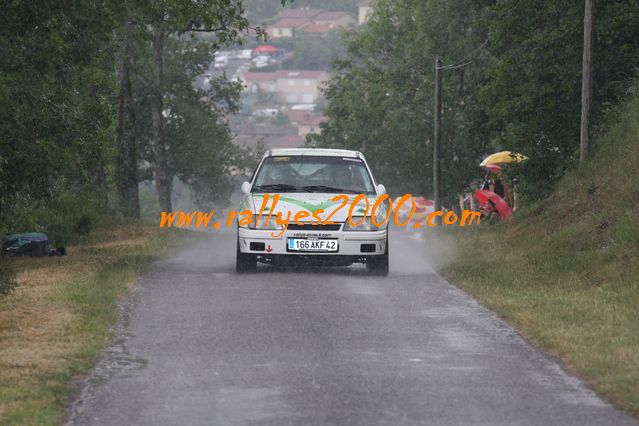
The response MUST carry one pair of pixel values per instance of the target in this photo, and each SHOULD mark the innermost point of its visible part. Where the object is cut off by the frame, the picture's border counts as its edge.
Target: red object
(422, 204)
(493, 168)
(269, 249)
(486, 198)
(265, 48)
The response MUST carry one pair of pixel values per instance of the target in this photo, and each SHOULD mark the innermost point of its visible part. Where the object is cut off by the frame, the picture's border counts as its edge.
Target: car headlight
(365, 225)
(260, 223)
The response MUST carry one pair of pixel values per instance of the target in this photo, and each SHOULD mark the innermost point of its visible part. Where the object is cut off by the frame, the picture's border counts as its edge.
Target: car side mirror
(246, 187)
(381, 189)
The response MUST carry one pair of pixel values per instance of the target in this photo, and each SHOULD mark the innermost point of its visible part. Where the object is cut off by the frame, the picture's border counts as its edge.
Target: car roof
(314, 151)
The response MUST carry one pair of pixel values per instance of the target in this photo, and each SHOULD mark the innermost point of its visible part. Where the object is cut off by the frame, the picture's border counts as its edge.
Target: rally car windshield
(341, 175)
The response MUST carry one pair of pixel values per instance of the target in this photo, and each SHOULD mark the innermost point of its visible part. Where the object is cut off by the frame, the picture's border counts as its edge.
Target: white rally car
(307, 181)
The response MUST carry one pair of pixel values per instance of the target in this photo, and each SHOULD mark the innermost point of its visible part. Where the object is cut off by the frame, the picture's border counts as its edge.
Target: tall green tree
(156, 24)
(56, 115)
(520, 88)
(533, 94)
(197, 139)
(125, 173)
(225, 19)
(381, 95)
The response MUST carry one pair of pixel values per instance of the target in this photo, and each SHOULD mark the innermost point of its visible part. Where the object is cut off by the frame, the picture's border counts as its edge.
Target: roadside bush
(535, 177)
(7, 277)
(64, 218)
(627, 230)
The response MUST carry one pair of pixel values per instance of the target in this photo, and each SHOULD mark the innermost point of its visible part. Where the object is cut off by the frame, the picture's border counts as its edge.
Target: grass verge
(565, 271)
(58, 320)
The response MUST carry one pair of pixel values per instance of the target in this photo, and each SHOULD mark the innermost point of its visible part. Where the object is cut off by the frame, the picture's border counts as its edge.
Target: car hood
(317, 204)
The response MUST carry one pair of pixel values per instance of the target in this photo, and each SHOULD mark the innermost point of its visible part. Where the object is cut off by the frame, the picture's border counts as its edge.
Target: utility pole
(586, 83)
(437, 194)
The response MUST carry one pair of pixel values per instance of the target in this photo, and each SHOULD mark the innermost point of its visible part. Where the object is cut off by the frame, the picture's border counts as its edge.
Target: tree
(223, 18)
(56, 112)
(198, 140)
(586, 83)
(381, 95)
(533, 94)
(194, 128)
(69, 96)
(126, 161)
(157, 23)
(521, 92)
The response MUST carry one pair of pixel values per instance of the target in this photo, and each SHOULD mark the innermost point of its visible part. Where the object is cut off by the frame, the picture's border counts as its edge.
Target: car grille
(309, 227)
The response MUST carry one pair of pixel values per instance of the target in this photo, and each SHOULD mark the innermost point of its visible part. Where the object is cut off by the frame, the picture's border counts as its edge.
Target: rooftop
(290, 23)
(298, 13)
(330, 16)
(314, 151)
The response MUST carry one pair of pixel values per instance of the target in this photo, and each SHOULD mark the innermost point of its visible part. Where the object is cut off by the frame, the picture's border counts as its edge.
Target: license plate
(300, 244)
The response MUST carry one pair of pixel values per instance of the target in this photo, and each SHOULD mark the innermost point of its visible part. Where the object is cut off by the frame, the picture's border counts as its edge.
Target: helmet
(280, 173)
(341, 174)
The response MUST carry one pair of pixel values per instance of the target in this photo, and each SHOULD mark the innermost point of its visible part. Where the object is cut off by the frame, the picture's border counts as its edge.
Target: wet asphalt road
(199, 344)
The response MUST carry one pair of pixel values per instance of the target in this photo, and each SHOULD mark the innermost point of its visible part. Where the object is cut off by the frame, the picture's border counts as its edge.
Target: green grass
(59, 319)
(565, 271)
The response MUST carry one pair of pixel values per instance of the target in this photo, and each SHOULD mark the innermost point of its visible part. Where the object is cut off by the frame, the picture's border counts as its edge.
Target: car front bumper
(351, 245)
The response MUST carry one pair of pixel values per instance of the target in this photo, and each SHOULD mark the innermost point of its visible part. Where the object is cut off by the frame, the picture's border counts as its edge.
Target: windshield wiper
(275, 187)
(324, 188)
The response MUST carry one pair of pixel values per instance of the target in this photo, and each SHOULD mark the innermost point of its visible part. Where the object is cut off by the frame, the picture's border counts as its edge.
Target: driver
(342, 176)
(280, 174)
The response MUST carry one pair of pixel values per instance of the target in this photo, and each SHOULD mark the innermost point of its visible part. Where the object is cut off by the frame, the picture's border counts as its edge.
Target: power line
(452, 67)
(467, 60)
(437, 192)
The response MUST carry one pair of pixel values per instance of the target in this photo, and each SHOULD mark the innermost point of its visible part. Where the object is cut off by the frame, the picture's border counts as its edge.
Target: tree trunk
(437, 190)
(160, 166)
(586, 83)
(126, 165)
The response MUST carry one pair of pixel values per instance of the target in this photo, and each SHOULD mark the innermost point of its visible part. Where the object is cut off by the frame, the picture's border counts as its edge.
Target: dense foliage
(518, 86)
(7, 277)
(198, 140)
(77, 77)
(56, 112)
(533, 93)
(381, 96)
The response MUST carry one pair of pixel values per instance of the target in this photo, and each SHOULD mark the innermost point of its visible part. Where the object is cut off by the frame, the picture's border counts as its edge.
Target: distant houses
(295, 94)
(298, 13)
(308, 123)
(311, 21)
(335, 19)
(289, 86)
(286, 27)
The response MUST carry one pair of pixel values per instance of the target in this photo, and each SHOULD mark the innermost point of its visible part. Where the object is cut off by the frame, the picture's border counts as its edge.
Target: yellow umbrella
(503, 157)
